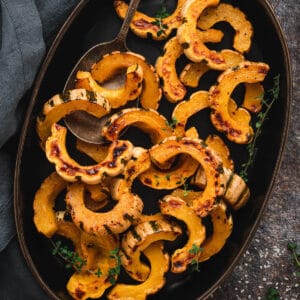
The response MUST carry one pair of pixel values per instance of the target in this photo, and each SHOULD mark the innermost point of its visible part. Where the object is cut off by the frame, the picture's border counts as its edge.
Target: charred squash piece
(129, 206)
(43, 204)
(192, 39)
(90, 283)
(192, 72)
(138, 238)
(56, 152)
(116, 97)
(165, 66)
(176, 207)
(61, 105)
(222, 228)
(219, 96)
(235, 17)
(171, 178)
(116, 62)
(185, 109)
(143, 25)
(149, 121)
(236, 193)
(159, 263)
(207, 158)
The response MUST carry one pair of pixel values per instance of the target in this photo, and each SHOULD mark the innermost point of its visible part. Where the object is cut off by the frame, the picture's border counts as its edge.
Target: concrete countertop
(267, 262)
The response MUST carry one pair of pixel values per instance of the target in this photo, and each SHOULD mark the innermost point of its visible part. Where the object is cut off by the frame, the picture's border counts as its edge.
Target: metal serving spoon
(83, 125)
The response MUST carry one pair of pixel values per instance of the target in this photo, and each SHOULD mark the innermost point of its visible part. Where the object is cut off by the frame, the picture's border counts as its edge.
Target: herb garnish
(114, 272)
(272, 294)
(172, 124)
(271, 95)
(70, 257)
(161, 14)
(196, 250)
(293, 247)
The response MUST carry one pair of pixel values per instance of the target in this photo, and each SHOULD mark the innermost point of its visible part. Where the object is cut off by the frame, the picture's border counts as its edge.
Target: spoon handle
(126, 23)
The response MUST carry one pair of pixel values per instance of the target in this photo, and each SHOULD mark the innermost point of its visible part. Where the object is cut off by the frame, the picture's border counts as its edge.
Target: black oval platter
(95, 21)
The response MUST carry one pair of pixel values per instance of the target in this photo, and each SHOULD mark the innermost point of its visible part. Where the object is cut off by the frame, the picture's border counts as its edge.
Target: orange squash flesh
(219, 95)
(143, 25)
(111, 64)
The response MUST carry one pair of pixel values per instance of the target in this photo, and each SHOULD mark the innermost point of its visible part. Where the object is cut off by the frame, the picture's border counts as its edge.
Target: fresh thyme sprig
(293, 247)
(273, 95)
(196, 250)
(71, 258)
(114, 272)
(161, 14)
(172, 124)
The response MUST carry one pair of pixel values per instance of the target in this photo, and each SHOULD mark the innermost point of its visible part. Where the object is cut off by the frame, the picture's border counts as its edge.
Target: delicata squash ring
(159, 263)
(118, 153)
(112, 64)
(192, 39)
(116, 97)
(235, 17)
(165, 66)
(149, 121)
(207, 158)
(219, 95)
(185, 109)
(129, 206)
(176, 207)
(60, 105)
(222, 228)
(138, 238)
(43, 204)
(143, 25)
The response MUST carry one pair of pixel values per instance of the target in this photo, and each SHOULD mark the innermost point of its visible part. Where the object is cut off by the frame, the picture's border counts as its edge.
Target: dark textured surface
(267, 261)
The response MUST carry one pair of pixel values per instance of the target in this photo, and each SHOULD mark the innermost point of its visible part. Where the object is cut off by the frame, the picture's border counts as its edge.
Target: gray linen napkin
(26, 27)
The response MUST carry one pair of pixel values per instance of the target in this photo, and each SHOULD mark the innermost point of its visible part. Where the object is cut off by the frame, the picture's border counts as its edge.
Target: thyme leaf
(268, 98)
(295, 251)
(159, 16)
(272, 294)
(195, 250)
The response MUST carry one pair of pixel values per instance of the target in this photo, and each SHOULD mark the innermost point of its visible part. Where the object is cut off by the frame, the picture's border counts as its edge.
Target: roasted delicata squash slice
(185, 109)
(235, 17)
(116, 97)
(170, 178)
(112, 64)
(159, 264)
(70, 231)
(176, 207)
(43, 204)
(129, 206)
(192, 72)
(143, 25)
(222, 228)
(192, 39)
(207, 158)
(92, 282)
(236, 193)
(187, 195)
(165, 66)
(138, 238)
(219, 96)
(149, 121)
(119, 152)
(61, 105)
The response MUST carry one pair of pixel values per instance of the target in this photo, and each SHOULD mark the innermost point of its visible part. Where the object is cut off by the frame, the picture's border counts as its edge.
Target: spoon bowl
(83, 125)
